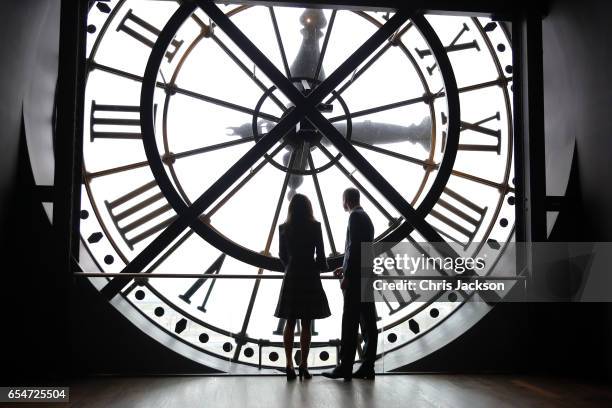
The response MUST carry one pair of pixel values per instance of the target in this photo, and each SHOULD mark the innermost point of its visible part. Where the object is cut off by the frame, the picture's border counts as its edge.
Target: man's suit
(360, 229)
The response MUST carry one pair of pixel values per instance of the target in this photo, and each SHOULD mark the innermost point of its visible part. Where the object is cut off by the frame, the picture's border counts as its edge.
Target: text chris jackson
(401, 264)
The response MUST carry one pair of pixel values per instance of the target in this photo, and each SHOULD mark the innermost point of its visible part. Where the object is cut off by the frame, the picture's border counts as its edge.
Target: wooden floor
(413, 390)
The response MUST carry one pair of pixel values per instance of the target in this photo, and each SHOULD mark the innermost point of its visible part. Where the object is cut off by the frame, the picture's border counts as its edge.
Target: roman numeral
(114, 122)
(396, 295)
(142, 31)
(478, 127)
(456, 229)
(213, 269)
(142, 206)
(452, 47)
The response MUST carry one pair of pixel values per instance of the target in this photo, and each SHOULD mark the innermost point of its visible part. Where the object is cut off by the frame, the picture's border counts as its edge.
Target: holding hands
(339, 273)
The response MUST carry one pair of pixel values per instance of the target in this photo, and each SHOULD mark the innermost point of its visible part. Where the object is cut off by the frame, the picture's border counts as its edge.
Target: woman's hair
(300, 210)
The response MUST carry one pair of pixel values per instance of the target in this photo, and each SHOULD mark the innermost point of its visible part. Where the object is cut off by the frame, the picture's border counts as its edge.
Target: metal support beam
(530, 168)
(66, 194)
(529, 124)
(68, 143)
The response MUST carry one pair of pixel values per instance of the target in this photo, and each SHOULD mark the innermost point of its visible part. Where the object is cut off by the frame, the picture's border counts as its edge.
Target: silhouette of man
(356, 312)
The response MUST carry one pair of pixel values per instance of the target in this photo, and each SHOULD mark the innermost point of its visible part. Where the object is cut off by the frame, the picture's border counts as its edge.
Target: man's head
(350, 198)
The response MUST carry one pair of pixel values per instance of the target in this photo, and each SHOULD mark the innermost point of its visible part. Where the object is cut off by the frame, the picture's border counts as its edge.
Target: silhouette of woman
(301, 295)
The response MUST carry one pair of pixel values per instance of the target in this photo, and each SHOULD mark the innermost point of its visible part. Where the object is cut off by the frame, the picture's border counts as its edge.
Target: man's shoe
(338, 372)
(364, 373)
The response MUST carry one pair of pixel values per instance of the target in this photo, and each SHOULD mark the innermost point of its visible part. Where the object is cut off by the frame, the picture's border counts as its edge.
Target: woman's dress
(301, 251)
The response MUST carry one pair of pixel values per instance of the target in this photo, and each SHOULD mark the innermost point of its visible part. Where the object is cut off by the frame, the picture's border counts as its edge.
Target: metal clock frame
(149, 85)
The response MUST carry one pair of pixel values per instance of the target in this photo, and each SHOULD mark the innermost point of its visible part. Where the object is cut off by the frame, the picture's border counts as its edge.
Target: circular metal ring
(347, 136)
(214, 237)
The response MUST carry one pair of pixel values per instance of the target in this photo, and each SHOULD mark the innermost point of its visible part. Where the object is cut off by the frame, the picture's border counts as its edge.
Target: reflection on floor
(413, 390)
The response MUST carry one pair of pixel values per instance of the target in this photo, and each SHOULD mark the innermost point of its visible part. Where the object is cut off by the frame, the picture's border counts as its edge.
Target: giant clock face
(202, 121)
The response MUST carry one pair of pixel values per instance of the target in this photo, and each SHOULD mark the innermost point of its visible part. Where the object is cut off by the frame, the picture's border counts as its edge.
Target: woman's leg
(288, 334)
(305, 342)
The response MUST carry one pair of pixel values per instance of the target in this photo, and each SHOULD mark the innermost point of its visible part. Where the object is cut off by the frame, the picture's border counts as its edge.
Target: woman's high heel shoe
(290, 371)
(303, 372)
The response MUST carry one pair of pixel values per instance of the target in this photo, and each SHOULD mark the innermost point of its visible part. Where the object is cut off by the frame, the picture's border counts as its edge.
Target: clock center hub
(304, 136)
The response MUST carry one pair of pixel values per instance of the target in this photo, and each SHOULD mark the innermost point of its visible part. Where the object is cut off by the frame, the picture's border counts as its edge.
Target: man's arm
(352, 259)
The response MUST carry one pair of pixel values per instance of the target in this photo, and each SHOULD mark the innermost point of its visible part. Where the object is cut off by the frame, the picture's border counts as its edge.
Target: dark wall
(30, 340)
(17, 37)
(577, 39)
(577, 56)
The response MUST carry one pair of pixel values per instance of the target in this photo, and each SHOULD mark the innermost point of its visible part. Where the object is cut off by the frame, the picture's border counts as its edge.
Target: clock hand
(365, 132)
(376, 133)
(307, 58)
(305, 66)
(299, 164)
(242, 131)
